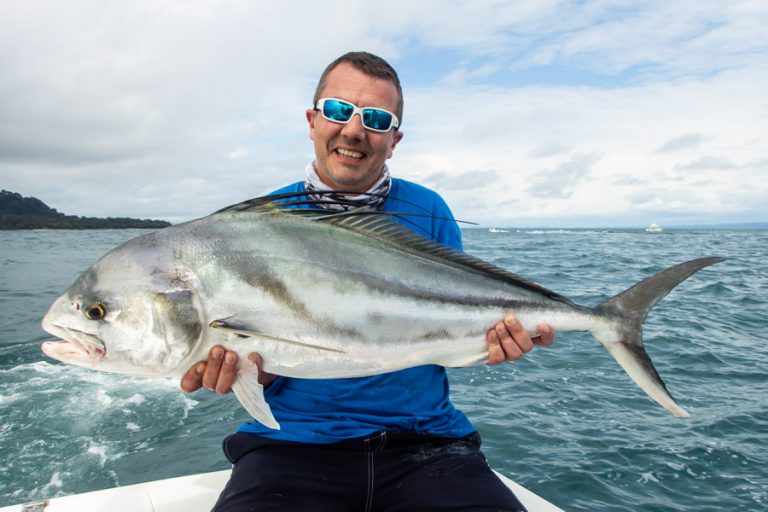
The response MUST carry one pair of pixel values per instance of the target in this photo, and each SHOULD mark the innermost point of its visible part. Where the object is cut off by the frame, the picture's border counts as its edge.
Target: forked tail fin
(630, 308)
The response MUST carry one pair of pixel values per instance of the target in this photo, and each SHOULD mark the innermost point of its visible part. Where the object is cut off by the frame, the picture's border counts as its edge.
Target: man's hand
(219, 372)
(508, 341)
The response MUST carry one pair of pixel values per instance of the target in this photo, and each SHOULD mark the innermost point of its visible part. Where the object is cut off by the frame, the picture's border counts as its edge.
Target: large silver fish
(319, 296)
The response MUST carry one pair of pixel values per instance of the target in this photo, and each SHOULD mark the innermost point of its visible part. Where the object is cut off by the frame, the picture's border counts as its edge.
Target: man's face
(349, 157)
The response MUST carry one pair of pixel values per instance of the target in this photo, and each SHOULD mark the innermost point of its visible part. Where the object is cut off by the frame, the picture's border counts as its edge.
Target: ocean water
(565, 421)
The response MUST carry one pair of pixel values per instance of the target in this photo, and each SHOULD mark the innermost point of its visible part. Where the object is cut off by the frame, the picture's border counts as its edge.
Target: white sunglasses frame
(357, 110)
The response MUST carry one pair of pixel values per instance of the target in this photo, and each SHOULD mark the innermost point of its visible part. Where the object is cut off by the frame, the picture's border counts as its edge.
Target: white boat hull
(653, 228)
(194, 493)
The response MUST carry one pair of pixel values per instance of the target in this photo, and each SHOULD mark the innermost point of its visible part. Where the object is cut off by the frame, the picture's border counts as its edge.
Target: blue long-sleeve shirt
(414, 399)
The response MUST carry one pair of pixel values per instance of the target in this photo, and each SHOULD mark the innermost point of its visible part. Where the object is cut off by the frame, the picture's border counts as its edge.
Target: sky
(520, 114)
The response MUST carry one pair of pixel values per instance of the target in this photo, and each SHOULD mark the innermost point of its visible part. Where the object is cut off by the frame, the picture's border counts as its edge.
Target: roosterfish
(320, 295)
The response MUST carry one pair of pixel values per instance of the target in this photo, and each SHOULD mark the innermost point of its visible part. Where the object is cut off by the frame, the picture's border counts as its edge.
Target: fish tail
(630, 308)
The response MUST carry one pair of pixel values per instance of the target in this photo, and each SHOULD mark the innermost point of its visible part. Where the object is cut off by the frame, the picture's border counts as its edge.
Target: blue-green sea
(565, 421)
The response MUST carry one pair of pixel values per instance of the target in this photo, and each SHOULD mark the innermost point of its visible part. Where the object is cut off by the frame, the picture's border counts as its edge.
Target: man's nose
(354, 128)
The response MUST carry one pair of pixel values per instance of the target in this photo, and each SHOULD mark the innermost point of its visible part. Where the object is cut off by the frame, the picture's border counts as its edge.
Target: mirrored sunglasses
(340, 111)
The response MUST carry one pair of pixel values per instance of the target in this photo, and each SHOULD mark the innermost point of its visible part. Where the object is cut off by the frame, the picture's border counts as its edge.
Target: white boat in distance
(653, 228)
(497, 230)
(194, 493)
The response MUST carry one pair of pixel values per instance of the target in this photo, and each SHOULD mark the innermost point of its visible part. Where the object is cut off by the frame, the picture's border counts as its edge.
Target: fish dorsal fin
(383, 227)
(286, 201)
(380, 225)
(316, 205)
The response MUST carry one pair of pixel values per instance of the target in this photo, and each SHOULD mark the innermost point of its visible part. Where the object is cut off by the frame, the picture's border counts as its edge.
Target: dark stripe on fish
(266, 280)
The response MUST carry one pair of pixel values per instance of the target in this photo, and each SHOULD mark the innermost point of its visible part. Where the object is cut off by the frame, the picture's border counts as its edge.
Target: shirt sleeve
(446, 230)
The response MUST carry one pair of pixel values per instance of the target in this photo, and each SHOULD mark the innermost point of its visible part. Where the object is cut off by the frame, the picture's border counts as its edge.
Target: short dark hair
(371, 65)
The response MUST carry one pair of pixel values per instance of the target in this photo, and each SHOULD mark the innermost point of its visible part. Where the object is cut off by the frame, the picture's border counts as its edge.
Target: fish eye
(95, 311)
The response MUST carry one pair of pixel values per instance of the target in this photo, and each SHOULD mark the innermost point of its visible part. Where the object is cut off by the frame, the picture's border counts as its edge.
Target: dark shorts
(385, 471)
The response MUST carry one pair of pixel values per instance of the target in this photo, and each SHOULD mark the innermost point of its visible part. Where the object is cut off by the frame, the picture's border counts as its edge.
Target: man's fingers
(217, 373)
(212, 369)
(192, 380)
(227, 374)
(518, 342)
(546, 336)
(265, 378)
(256, 359)
(508, 340)
(495, 352)
(508, 345)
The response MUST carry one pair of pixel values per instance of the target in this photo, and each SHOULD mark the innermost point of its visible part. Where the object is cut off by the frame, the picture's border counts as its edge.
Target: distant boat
(497, 230)
(653, 228)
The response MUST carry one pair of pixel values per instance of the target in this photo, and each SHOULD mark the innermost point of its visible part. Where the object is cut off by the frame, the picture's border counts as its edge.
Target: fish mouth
(74, 344)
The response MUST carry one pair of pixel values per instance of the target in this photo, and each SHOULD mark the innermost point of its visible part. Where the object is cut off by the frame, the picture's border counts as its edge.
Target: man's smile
(349, 153)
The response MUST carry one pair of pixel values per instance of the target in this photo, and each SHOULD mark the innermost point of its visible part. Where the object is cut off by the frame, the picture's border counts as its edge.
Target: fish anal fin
(250, 394)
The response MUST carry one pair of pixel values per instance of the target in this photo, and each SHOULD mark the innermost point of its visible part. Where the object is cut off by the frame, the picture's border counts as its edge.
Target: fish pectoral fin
(250, 393)
(229, 324)
(244, 331)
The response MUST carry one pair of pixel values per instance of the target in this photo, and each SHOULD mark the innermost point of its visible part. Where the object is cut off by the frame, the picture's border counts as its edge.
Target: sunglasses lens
(377, 119)
(336, 110)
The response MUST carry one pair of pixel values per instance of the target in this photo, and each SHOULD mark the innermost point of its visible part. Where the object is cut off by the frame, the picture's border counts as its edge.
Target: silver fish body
(319, 297)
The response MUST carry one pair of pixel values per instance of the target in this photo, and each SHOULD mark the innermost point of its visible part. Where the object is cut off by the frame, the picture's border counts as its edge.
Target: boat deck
(190, 494)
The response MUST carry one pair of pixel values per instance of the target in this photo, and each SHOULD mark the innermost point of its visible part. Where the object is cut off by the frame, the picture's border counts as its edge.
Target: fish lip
(87, 343)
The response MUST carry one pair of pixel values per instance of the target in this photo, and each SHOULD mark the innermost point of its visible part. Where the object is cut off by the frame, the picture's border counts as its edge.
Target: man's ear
(397, 137)
(311, 115)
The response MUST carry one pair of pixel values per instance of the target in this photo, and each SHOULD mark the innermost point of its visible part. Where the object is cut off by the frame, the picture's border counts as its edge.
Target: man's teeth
(348, 153)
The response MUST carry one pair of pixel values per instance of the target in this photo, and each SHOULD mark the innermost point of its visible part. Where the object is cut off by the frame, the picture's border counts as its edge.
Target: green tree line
(18, 212)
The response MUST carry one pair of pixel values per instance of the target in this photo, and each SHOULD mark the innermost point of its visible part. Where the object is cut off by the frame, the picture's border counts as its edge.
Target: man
(386, 442)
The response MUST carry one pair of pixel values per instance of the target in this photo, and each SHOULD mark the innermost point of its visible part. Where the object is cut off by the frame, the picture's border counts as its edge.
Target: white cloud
(461, 181)
(686, 141)
(237, 154)
(174, 109)
(564, 180)
(709, 162)
(606, 149)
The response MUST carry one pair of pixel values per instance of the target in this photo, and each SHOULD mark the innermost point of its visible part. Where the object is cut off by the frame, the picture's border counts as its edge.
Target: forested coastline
(18, 212)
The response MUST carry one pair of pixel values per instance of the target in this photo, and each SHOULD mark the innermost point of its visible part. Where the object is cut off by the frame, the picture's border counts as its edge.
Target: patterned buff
(347, 201)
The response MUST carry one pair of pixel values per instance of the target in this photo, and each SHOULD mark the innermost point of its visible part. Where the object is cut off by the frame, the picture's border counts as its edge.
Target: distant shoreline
(18, 213)
(82, 229)
(131, 224)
